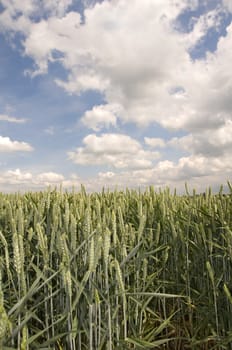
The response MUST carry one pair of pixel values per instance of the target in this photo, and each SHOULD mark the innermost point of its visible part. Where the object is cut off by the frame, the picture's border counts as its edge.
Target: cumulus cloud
(143, 68)
(90, 3)
(210, 143)
(17, 7)
(12, 180)
(101, 116)
(136, 74)
(199, 171)
(29, 8)
(50, 177)
(154, 142)
(228, 5)
(15, 177)
(115, 150)
(211, 20)
(56, 7)
(7, 145)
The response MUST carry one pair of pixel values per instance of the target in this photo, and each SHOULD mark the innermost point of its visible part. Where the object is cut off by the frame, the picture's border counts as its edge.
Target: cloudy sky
(115, 93)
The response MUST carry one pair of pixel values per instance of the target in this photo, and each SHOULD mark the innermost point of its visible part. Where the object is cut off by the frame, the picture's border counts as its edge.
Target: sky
(115, 94)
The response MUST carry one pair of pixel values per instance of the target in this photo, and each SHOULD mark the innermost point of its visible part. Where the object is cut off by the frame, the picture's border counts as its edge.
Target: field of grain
(115, 270)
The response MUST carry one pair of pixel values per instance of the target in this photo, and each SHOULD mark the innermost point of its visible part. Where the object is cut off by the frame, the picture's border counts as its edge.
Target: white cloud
(7, 118)
(17, 7)
(199, 171)
(30, 8)
(210, 143)
(101, 116)
(210, 20)
(49, 177)
(228, 4)
(12, 180)
(115, 150)
(10, 23)
(15, 177)
(135, 74)
(56, 7)
(134, 56)
(90, 3)
(79, 82)
(154, 142)
(7, 145)
(108, 175)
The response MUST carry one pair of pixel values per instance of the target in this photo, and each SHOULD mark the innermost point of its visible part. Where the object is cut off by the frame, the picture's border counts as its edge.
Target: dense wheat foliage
(115, 270)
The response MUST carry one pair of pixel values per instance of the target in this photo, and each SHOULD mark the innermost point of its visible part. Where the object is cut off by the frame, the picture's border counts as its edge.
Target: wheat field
(116, 270)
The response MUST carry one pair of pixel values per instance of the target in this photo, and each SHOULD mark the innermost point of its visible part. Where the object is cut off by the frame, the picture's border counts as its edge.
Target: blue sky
(106, 93)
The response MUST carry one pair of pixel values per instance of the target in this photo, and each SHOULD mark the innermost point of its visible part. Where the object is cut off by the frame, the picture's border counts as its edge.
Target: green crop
(115, 270)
